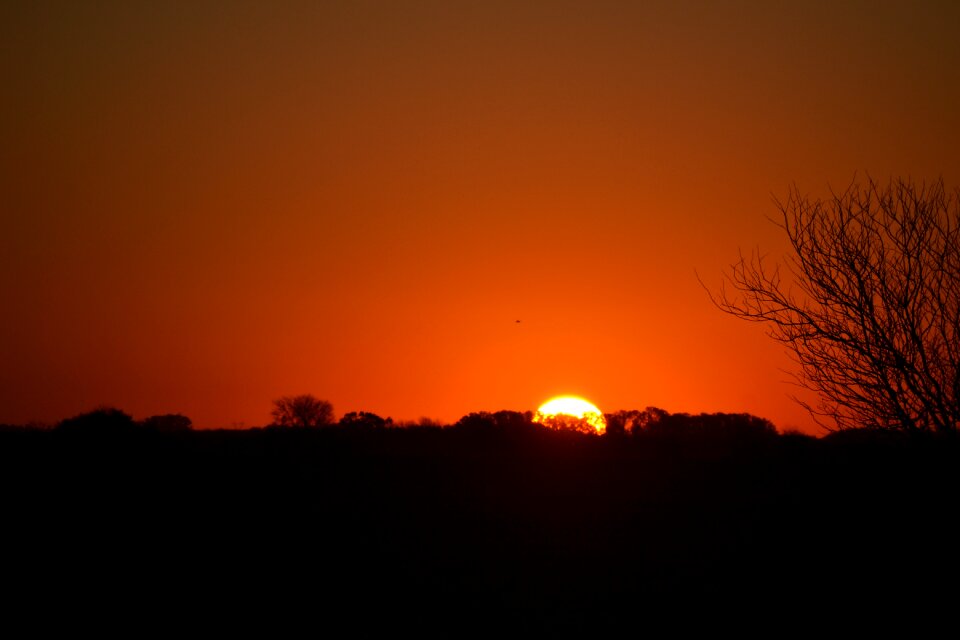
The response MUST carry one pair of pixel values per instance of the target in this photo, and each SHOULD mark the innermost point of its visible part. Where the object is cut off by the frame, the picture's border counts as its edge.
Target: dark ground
(457, 530)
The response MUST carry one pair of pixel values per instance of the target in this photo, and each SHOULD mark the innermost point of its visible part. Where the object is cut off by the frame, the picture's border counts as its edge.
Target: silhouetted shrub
(168, 423)
(104, 421)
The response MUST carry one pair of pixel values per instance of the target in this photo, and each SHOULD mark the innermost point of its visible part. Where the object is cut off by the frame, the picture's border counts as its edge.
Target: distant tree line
(306, 412)
(658, 422)
(111, 421)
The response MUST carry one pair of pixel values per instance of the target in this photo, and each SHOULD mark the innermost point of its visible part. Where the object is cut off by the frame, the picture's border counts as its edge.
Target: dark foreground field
(457, 530)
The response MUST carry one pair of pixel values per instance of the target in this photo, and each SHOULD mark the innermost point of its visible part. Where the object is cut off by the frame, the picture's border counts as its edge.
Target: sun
(571, 412)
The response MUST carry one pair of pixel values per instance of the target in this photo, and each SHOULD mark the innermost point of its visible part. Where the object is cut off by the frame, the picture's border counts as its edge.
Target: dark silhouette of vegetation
(709, 425)
(513, 421)
(654, 422)
(631, 422)
(104, 421)
(168, 423)
(364, 420)
(868, 304)
(303, 411)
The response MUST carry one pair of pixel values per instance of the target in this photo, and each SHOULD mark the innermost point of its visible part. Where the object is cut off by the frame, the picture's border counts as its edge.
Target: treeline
(651, 422)
(109, 421)
(717, 431)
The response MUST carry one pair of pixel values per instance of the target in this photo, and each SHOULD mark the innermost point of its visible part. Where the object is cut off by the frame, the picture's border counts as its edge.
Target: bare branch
(867, 304)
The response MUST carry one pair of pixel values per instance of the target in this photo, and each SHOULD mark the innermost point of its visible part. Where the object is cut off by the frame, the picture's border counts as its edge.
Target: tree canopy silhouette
(102, 421)
(364, 420)
(503, 420)
(304, 411)
(867, 303)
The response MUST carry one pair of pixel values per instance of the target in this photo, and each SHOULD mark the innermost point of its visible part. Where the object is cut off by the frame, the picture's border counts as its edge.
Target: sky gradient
(208, 205)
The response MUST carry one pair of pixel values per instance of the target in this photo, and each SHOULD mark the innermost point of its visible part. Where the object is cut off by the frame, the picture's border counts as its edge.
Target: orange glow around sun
(571, 412)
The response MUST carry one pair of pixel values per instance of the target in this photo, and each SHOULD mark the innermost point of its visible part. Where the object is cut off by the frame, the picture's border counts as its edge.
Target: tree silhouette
(706, 427)
(103, 421)
(868, 303)
(364, 420)
(632, 422)
(511, 421)
(304, 411)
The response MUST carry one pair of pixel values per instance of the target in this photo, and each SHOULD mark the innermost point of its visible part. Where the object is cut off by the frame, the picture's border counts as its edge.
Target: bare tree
(867, 303)
(302, 411)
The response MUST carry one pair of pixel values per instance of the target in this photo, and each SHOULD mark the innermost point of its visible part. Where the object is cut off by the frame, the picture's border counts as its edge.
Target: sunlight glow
(571, 412)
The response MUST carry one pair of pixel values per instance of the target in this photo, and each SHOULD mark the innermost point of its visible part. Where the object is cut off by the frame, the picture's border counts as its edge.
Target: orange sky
(208, 205)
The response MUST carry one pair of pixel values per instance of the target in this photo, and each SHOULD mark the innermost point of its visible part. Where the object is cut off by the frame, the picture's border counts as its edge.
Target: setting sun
(571, 412)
